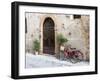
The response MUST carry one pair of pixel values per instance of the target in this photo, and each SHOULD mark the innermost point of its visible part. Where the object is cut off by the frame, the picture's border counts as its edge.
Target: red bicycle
(73, 55)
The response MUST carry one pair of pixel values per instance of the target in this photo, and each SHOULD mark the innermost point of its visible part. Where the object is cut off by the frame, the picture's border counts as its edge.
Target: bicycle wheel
(79, 56)
(74, 59)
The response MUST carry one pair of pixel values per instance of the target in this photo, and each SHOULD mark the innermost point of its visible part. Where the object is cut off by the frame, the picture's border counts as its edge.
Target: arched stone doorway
(48, 36)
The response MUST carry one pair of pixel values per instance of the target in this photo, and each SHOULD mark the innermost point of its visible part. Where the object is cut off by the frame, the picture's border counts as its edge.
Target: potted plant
(61, 40)
(36, 46)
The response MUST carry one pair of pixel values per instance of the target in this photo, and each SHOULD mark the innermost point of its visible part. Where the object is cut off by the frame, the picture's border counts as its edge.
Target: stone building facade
(74, 27)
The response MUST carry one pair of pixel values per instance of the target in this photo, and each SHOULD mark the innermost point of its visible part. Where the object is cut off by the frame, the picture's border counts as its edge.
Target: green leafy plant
(61, 39)
(36, 45)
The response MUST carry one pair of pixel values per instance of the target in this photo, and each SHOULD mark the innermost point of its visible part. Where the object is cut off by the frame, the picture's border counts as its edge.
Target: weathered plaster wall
(75, 30)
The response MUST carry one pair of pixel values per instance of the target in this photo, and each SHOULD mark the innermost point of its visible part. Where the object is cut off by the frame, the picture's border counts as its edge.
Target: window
(25, 25)
(77, 16)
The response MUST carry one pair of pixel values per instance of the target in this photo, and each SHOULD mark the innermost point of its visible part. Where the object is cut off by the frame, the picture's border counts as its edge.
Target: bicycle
(73, 55)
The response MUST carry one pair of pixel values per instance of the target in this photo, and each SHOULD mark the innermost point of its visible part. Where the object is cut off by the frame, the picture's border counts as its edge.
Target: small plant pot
(36, 52)
(62, 48)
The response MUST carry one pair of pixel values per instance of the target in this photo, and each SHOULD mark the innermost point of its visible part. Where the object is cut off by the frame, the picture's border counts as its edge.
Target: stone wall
(75, 30)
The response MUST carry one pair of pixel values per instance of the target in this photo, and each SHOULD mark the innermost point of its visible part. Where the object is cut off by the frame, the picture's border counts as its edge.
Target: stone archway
(48, 36)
